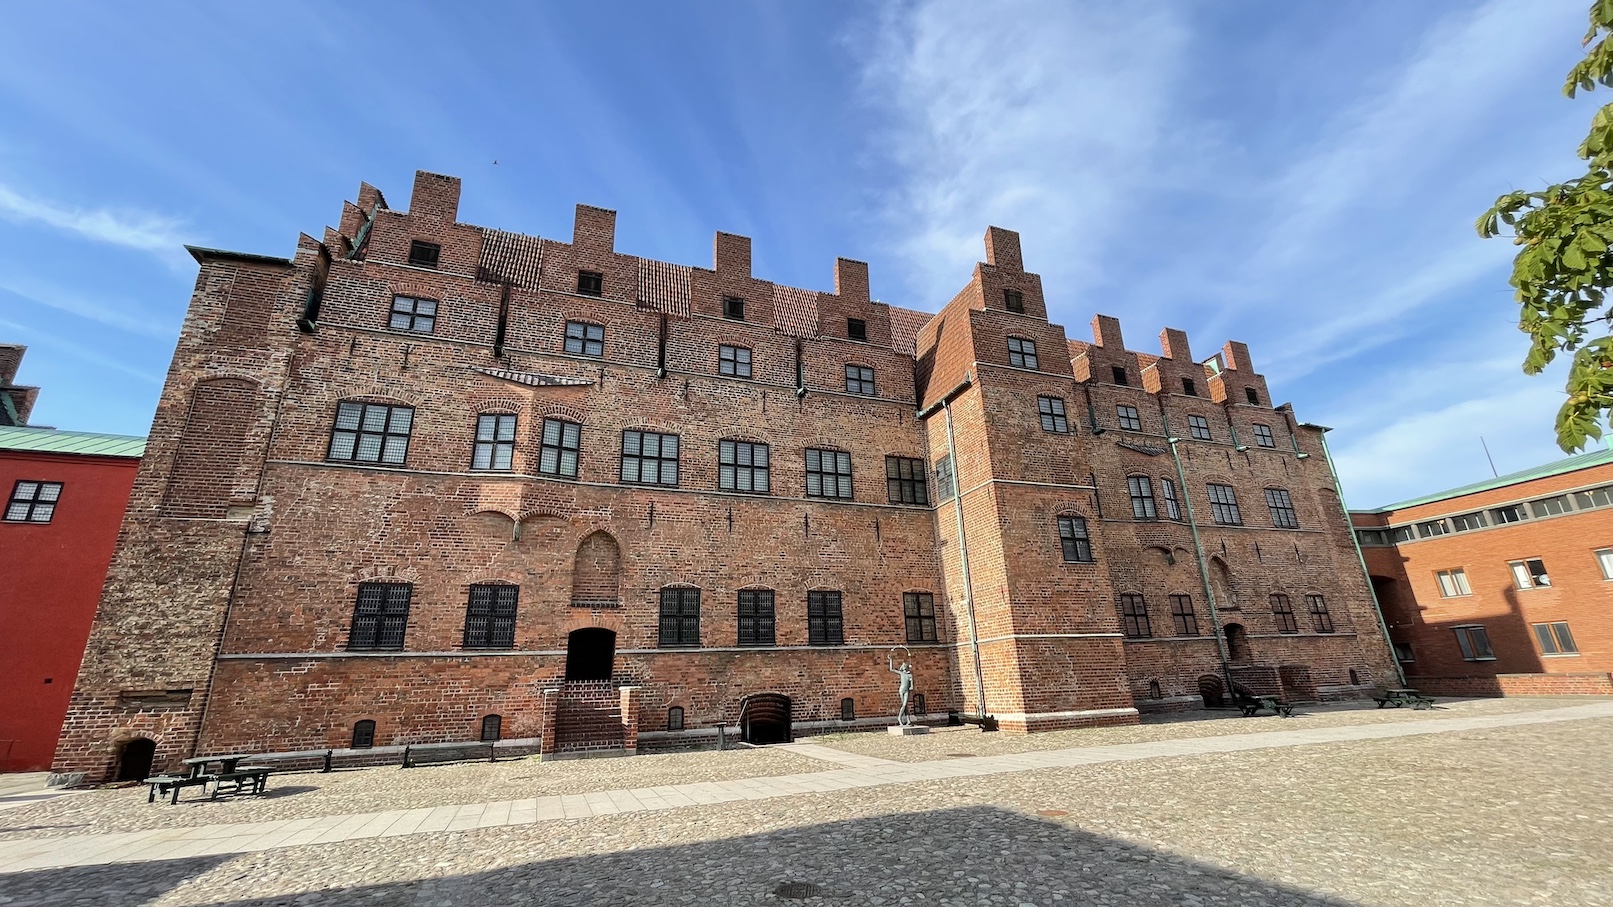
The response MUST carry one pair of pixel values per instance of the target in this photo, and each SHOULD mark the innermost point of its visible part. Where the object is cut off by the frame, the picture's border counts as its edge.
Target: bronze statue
(904, 689)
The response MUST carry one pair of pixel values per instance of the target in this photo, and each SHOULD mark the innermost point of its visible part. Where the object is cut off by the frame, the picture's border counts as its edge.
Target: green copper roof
(1582, 461)
(49, 440)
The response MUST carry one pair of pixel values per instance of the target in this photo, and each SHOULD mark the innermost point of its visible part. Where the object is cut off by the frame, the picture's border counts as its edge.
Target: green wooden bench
(163, 785)
(1252, 704)
(1403, 697)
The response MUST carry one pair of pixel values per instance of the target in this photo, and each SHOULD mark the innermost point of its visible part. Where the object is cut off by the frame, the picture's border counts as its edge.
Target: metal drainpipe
(1204, 567)
(1360, 558)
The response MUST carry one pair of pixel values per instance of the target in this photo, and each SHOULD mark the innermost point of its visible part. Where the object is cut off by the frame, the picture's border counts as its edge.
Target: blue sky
(1302, 177)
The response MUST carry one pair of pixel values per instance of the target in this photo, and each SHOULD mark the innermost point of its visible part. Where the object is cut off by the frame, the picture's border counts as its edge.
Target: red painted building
(65, 494)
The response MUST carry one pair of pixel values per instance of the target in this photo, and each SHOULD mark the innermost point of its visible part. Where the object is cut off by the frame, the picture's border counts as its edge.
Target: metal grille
(756, 623)
(825, 624)
(490, 616)
(680, 617)
(797, 890)
(380, 617)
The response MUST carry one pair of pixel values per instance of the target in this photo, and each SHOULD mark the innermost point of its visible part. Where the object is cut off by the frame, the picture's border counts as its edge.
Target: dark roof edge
(202, 253)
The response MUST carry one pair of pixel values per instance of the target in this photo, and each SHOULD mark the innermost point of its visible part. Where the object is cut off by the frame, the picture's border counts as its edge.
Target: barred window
(828, 473)
(380, 617)
(371, 433)
(1187, 622)
(1200, 427)
(1282, 509)
(424, 254)
(1284, 613)
(1130, 420)
(1474, 642)
(1014, 301)
(733, 361)
(495, 442)
(904, 481)
(1322, 620)
(756, 624)
(490, 616)
(743, 466)
(411, 314)
(1022, 352)
(1074, 540)
(492, 728)
(560, 448)
(33, 502)
(1134, 617)
(1224, 505)
(733, 308)
(649, 458)
(590, 283)
(1263, 436)
(680, 617)
(860, 380)
(1167, 490)
(918, 608)
(585, 339)
(943, 478)
(1051, 410)
(363, 734)
(856, 329)
(825, 626)
(1142, 498)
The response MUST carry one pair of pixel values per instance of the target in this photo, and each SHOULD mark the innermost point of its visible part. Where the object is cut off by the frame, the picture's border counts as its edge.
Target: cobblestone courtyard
(1478, 803)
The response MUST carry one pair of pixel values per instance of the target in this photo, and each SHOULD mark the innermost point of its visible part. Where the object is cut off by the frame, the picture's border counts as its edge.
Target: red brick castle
(426, 481)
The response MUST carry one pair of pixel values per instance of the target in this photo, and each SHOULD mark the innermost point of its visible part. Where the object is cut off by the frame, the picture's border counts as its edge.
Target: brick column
(549, 709)
(630, 697)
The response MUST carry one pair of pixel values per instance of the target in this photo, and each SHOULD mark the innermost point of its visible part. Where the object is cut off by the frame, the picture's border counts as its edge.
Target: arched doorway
(1238, 644)
(764, 719)
(590, 654)
(1213, 691)
(134, 760)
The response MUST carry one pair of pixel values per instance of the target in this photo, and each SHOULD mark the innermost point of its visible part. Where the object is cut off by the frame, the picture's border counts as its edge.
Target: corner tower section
(1018, 523)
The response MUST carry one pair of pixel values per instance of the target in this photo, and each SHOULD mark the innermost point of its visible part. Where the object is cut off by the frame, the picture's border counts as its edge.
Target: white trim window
(1604, 559)
(1530, 574)
(1453, 583)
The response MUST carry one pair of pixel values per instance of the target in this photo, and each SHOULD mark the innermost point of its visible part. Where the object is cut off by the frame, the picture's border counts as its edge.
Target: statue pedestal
(910, 730)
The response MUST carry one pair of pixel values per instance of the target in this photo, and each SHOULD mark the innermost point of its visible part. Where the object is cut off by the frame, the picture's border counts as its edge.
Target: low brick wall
(1517, 685)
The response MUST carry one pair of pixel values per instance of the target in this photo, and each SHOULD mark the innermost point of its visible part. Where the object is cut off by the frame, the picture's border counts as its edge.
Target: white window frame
(1604, 559)
(1453, 583)
(1525, 577)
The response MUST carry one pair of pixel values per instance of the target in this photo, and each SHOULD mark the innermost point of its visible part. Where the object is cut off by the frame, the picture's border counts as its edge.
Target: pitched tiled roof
(1582, 461)
(795, 312)
(49, 440)
(905, 327)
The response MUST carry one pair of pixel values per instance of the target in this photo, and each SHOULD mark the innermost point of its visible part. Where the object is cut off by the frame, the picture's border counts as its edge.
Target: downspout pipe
(1377, 607)
(1204, 567)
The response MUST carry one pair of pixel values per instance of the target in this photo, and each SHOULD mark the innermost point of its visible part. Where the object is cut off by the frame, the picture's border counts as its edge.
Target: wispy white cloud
(78, 351)
(123, 316)
(131, 229)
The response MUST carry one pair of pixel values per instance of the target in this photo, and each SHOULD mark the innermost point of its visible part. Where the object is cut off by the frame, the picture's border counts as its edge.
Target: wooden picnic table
(1401, 696)
(1252, 704)
(227, 764)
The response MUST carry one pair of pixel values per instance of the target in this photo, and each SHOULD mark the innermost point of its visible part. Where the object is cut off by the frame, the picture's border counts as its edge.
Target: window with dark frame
(1467, 522)
(918, 610)
(856, 329)
(380, 617)
(920, 707)
(674, 718)
(1022, 352)
(370, 433)
(1189, 388)
(1595, 497)
(1118, 373)
(733, 361)
(424, 254)
(1014, 301)
(1551, 506)
(757, 626)
(905, 481)
(494, 447)
(363, 734)
(1252, 395)
(1130, 419)
(1142, 498)
(584, 339)
(560, 448)
(1224, 505)
(1051, 410)
(828, 473)
(1183, 616)
(825, 624)
(1073, 539)
(492, 728)
(590, 283)
(490, 616)
(1554, 638)
(1173, 507)
(649, 458)
(743, 466)
(1282, 509)
(1510, 514)
(1200, 428)
(1134, 617)
(1474, 641)
(733, 308)
(1320, 619)
(680, 617)
(412, 314)
(33, 501)
(1263, 436)
(1283, 611)
(1403, 652)
(848, 709)
(943, 478)
(860, 380)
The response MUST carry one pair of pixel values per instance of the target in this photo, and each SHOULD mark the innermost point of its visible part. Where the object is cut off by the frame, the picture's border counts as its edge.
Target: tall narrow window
(1282, 509)
(1142, 498)
(1119, 375)
(411, 314)
(943, 478)
(828, 473)
(371, 433)
(1051, 410)
(743, 466)
(492, 728)
(825, 625)
(1555, 639)
(1474, 642)
(380, 617)
(860, 380)
(490, 616)
(856, 329)
(733, 361)
(560, 448)
(918, 608)
(1022, 352)
(904, 481)
(674, 718)
(1263, 436)
(1183, 616)
(1283, 611)
(1074, 540)
(1320, 619)
(1252, 395)
(1130, 419)
(756, 623)
(1453, 583)
(424, 254)
(363, 734)
(733, 308)
(1134, 617)
(1189, 388)
(495, 442)
(680, 617)
(1167, 490)
(848, 709)
(1014, 301)
(590, 283)
(33, 502)
(1224, 505)
(1200, 428)
(649, 458)
(585, 339)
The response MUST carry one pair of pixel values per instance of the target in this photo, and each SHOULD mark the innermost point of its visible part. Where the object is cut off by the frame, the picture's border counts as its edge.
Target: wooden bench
(163, 784)
(959, 719)
(1397, 698)
(1251, 706)
(429, 753)
(250, 779)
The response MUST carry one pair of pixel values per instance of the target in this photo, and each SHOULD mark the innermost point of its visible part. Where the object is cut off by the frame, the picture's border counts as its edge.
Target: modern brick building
(1503, 586)
(432, 481)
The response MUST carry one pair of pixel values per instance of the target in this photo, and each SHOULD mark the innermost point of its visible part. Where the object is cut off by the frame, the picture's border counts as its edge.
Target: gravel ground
(968, 740)
(1468, 819)
(304, 795)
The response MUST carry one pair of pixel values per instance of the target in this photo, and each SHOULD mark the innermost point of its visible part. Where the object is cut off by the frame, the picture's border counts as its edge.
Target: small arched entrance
(1213, 691)
(134, 760)
(590, 654)
(1238, 644)
(764, 719)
